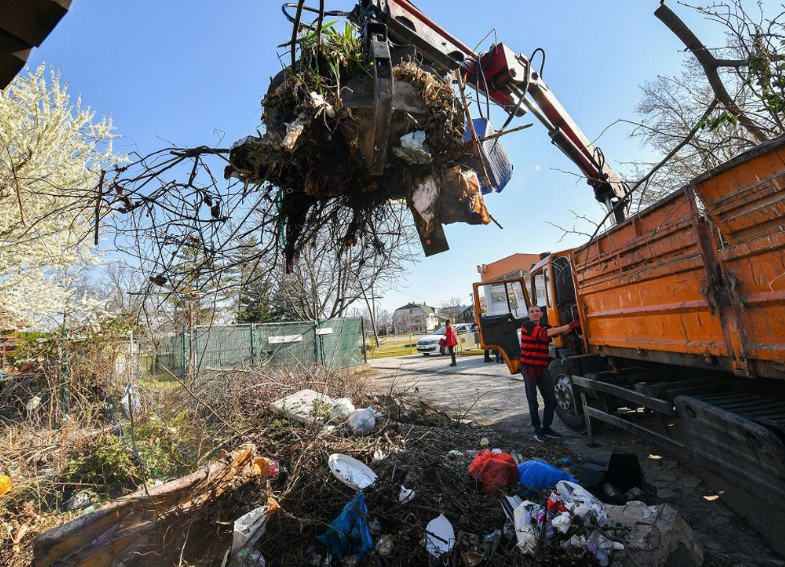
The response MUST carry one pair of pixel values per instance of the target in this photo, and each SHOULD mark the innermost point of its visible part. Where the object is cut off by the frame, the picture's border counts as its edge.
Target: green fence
(334, 343)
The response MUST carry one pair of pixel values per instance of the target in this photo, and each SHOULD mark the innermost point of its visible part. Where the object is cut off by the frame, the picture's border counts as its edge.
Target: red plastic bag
(493, 470)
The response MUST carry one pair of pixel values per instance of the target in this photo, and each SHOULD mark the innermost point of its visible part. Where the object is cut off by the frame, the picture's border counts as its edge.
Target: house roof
(427, 309)
(24, 24)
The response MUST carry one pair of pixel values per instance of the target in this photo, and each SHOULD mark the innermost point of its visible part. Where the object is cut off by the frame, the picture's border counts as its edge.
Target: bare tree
(741, 84)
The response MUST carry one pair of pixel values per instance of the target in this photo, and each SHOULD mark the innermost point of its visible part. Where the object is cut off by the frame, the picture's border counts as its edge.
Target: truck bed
(697, 279)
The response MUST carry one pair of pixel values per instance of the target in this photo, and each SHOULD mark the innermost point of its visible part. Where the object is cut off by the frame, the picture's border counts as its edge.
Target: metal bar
(587, 419)
(656, 404)
(639, 430)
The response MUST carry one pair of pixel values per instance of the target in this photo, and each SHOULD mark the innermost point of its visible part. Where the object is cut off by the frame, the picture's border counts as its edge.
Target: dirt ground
(736, 528)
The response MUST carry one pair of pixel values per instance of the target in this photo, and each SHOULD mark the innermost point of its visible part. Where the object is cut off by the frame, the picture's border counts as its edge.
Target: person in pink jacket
(450, 340)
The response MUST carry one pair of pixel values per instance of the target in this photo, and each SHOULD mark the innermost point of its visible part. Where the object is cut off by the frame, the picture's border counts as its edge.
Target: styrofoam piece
(350, 471)
(301, 405)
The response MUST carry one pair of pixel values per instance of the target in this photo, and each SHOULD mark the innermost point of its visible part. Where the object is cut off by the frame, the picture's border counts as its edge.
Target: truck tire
(569, 407)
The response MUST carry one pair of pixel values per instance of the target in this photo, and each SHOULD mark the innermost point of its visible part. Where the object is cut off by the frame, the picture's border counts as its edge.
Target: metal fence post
(253, 350)
(184, 367)
(64, 372)
(362, 334)
(316, 341)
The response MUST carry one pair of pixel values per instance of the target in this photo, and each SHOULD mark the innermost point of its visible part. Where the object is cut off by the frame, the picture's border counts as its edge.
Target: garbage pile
(340, 133)
(326, 484)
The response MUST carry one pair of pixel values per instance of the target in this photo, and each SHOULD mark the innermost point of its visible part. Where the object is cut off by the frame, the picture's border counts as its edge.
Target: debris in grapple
(339, 130)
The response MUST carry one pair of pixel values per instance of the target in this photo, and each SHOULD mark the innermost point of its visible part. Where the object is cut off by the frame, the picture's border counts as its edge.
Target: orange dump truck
(682, 311)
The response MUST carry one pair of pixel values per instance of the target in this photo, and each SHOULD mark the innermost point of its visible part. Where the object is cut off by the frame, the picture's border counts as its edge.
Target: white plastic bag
(249, 528)
(562, 522)
(130, 401)
(341, 410)
(580, 502)
(362, 421)
(527, 520)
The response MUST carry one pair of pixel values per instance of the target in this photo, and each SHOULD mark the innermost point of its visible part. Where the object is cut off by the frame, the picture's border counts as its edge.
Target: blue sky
(194, 73)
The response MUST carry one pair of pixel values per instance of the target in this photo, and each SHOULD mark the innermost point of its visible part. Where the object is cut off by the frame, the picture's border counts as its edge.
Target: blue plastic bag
(539, 475)
(348, 534)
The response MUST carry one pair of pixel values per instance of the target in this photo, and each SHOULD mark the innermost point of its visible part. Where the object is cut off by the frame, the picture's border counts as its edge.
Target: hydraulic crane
(395, 28)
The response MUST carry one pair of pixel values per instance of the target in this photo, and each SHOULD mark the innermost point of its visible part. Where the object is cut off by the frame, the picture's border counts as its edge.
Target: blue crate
(497, 162)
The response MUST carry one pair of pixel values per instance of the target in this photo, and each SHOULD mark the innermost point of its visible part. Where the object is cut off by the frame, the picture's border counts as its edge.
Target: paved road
(486, 394)
(482, 392)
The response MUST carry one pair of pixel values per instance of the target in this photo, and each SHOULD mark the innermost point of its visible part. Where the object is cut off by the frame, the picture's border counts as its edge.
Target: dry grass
(180, 429)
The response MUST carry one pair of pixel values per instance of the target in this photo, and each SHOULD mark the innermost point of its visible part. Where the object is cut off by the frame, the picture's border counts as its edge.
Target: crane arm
(506, 79)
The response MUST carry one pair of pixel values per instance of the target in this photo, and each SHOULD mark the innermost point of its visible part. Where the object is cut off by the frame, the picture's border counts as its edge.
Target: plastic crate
(497, 163)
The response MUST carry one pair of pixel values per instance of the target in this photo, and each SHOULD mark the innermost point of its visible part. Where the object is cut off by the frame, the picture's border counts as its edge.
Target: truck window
(495, 300)
(541, 289)
(548, 287)
(517, 300)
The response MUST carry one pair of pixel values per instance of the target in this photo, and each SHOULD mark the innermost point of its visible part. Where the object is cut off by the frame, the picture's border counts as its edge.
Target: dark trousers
(535, 377)
(452, 354)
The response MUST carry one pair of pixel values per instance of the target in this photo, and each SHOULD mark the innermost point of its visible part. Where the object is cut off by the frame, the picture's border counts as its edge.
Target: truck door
(500, 308)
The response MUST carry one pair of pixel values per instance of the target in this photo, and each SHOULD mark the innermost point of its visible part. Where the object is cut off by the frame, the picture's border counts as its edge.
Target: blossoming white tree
(52, 151)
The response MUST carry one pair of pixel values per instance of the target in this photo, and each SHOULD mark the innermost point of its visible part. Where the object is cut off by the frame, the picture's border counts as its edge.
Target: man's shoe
(540, 437)
(548, 432)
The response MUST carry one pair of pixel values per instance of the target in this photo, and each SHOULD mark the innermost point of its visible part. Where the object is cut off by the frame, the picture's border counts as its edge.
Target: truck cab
(501, 307)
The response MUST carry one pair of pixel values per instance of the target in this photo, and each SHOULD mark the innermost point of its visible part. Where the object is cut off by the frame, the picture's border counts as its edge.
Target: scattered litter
(81, 499)
(406, 495)
(341, 410)
(248, 558)
(249, 527)
(348, 534)
(384, 546)
(378, 455)
(529, 519)
(351, 472)
(493, 470)
(5, 484)
(580, 502)
(484, 442)
(130, 401)
(306, 406)
(33, 403)
(439, 536)
(455, 453)
(413, 149)
(539, 475)
(362, 421)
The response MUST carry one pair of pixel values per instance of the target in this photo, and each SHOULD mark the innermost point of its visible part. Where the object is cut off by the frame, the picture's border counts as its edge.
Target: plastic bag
(348, 534)
(362, 421)
(529, 519)
(130, 401)
(539, 475)
(494, 469)
(580, 502)
(439, 536)
(341, 410)
(248, 526)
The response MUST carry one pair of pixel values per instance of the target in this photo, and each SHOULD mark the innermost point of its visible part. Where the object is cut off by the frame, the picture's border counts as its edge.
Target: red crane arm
(506, 79)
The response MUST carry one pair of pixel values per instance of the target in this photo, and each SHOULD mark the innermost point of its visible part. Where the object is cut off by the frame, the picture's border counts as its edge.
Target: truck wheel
(568, 404)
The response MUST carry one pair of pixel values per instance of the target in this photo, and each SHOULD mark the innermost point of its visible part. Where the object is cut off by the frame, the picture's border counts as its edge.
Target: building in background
(415, 318)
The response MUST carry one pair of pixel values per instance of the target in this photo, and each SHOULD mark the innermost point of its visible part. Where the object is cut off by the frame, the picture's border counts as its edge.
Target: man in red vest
(535, 338)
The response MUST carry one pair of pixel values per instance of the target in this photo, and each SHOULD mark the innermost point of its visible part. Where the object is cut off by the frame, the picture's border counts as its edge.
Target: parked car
(429, 344)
